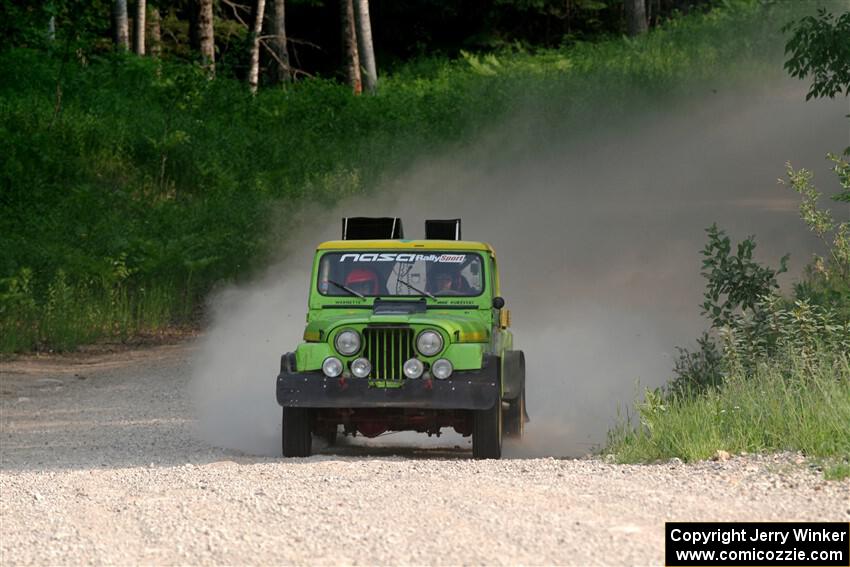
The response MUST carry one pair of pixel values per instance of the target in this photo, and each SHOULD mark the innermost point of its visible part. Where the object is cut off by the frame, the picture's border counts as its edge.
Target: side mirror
(498, 302)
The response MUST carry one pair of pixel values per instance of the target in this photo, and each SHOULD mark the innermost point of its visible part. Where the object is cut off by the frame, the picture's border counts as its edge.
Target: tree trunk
(653, 11)
(154, 32)
(636, 17)
(51, 29)
(206, 35)
(192, 11)
(282, 70)
(254, 44)
(367, 49)
(349, 46)
(139, 27)
(120, 24)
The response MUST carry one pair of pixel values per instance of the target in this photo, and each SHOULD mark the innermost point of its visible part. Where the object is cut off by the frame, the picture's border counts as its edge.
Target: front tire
(487, 432)
(297, 438)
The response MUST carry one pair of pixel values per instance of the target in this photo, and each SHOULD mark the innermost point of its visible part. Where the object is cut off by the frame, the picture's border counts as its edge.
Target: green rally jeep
(403, 335)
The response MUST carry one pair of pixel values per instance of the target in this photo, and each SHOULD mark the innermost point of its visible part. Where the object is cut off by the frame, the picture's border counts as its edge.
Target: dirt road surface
(101, 464)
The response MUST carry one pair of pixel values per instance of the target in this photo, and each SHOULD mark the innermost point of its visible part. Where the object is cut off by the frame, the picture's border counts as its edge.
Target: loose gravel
(100, 465)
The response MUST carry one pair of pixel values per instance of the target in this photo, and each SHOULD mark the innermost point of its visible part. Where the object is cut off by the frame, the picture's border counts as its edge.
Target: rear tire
(487, 432)
(297, 439)
(515, 417)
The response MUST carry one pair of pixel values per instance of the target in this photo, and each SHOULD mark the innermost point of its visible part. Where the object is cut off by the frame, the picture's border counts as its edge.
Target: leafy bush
(19, 312)
(785, 403)
(696, 370)
(827, 280)
(736, 286)
(740, 301)
(772, 374)
(801, 328)
(734, 281)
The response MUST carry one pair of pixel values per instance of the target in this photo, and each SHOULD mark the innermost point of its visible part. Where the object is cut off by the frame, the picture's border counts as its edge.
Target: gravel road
(100, 464)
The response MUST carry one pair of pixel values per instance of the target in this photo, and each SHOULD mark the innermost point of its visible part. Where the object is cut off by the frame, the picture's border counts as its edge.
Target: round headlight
(441, 369)
(347, 342)
(332, 367)
(361, 368)
(413, 368)
(429, 343)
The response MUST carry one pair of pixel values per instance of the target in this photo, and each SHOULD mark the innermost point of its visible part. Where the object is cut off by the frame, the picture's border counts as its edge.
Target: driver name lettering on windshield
(393, 257)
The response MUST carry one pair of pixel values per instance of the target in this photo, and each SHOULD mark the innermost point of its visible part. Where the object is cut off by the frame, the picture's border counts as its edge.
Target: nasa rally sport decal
(403, 257)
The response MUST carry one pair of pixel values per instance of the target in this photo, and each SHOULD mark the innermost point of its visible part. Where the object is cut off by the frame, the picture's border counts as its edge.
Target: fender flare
(287, 363)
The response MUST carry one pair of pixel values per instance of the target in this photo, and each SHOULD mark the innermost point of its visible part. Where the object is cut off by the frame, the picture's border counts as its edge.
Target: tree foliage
(734, 281)
(402, 29)
(835, 235)
(820, 47)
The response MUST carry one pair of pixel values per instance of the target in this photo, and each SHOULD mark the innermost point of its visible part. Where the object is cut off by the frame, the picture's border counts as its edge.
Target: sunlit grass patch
(837, 471)
(788, 403)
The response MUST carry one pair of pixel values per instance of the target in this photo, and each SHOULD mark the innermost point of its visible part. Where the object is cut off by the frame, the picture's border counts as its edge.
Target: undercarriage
(371, 422)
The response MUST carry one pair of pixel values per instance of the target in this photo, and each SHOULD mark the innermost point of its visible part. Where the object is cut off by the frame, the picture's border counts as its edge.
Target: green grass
(837, 471)
(152, 184)
(74, 315)
(786, 404)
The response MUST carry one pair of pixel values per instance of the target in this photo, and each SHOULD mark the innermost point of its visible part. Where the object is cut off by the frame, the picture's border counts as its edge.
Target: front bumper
(466, 389)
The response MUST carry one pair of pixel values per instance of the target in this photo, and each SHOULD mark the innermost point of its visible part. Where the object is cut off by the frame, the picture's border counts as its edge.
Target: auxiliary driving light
(361, 368)
(429, 343)
(413, 368)
(441, 369)
(332, 367)
(347, 342)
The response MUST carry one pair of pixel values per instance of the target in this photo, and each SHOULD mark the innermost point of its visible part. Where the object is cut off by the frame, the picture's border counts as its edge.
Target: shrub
(785, 403)
(736, 286)
(827, 280)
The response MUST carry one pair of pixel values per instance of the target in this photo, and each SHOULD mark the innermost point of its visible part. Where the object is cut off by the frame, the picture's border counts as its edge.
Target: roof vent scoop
(448, 229)
(372, 228)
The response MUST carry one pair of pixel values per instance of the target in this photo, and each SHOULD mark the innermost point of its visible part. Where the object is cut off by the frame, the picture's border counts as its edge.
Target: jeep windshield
(426, 273)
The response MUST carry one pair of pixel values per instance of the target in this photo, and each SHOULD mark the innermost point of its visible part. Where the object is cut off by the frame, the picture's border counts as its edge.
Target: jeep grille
(387, 348)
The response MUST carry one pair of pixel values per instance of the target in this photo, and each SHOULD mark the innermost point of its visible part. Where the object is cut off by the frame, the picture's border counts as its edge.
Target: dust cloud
(597, 229)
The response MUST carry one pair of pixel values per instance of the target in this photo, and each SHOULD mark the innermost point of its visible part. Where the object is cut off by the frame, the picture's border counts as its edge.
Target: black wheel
(296, 434)
(487, 432)
(515, 417)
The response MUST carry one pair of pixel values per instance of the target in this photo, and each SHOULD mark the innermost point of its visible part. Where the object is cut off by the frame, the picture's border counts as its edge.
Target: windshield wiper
(348, 289)
(416, 289)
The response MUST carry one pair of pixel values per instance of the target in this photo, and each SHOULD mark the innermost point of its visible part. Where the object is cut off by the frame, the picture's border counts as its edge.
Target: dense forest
(276, 41)
(149, 145)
